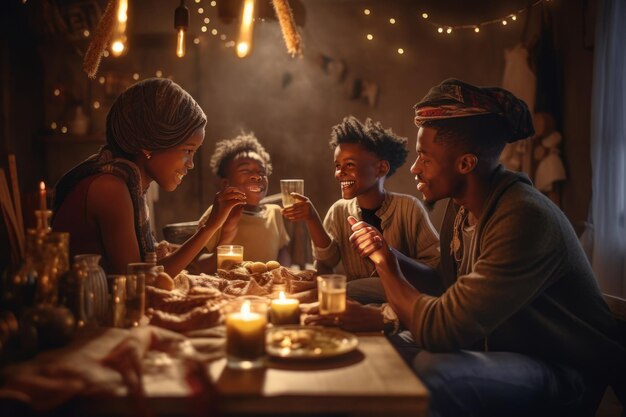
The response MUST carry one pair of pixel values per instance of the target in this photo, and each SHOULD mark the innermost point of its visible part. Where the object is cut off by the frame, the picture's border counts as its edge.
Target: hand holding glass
(331, 293)
(291, 186)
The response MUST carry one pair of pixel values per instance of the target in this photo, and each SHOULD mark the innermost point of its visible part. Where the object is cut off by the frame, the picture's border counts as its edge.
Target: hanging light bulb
(244, 40)
(118, 42)
(181, 23)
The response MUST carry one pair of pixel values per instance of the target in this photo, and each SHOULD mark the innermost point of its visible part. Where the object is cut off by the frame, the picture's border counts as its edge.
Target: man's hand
(369, 242)
(303, 209)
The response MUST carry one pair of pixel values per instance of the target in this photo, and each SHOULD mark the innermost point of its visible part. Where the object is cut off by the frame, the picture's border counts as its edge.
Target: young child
(365, 156)
(243, 163)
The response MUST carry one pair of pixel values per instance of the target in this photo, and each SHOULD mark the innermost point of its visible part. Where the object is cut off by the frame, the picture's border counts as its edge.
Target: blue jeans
(468, 383)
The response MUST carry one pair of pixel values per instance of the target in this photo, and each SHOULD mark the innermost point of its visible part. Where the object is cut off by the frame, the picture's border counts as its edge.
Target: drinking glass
(291, 186)
(331, 293)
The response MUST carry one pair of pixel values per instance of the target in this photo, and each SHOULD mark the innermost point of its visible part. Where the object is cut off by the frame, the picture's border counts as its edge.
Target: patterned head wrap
(453, 98)
(153, 114)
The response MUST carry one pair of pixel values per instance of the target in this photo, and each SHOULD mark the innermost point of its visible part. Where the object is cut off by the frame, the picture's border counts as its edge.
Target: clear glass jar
(95, 291)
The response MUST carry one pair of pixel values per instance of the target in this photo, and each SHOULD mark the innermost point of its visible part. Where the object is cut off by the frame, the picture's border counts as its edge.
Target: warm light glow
(197, 1)
(196, 41)
(229, 44)
(56, 92)
(203, 28)
(105, 54)
(281, 295)
(370, 36)
(86, 33)
(136, 76)
(42, 196)
(122, 11)
(242, 49)
(117, 48)
(245, 308)
(101, 80)
(476, 29)
(440, 30)
(366, 12)
(200, 10)
(244, 40)
(64, 129)
(504, 22)
(159, 73)
(223, 37)
(213, 32)
(392, 21)
(53, 125)
(96, 105)
(449, 31)
(180, 43)
(513, 17)
(213, 3)
(425, 15)
(207, 20)
(400, 51)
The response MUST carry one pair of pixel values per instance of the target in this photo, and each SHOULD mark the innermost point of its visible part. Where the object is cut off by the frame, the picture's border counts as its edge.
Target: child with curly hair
(365, 155)
(243, 163)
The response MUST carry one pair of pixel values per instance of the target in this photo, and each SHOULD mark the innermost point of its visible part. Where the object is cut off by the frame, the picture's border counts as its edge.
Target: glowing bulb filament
(180, 43)
(244, 41)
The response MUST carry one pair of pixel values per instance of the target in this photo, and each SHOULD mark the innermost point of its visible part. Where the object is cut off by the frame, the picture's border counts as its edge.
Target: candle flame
(42, 186)
(281, 295)
(245, 307)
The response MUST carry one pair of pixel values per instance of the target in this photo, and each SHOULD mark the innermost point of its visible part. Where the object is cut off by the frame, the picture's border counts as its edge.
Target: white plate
(308, 342)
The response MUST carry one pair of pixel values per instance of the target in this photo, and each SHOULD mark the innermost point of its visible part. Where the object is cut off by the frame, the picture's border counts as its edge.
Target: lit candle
(229, 255)
(245, 334)
(285, 310)
(42, 196)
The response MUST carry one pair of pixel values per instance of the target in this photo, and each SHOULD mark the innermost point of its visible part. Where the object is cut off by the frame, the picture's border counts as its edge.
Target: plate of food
(308, 342)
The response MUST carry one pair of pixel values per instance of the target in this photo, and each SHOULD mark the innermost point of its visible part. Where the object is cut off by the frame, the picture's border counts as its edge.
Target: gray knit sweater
(530, 288)
(406, 227)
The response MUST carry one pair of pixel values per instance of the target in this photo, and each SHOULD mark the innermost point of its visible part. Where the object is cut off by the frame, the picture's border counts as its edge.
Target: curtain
(608, 149)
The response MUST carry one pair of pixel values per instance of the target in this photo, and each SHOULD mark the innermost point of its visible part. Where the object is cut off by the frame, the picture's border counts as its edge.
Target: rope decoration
(288, 26)
(98, 44)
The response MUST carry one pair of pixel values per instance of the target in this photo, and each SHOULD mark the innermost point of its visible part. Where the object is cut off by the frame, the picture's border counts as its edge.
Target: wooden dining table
(372, 380)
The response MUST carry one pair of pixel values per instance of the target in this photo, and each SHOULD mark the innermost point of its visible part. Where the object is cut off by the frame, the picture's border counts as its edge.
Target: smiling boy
(243, 163)
(365, 155)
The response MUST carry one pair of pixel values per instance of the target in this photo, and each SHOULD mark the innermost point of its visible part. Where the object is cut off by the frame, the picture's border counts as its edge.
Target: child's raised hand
(303, 209)
(228, 200)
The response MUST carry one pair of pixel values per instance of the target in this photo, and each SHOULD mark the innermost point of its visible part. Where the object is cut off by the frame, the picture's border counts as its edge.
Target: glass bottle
(95, 291)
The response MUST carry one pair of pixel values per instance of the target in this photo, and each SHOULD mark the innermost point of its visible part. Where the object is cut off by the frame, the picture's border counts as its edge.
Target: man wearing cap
(522, 326)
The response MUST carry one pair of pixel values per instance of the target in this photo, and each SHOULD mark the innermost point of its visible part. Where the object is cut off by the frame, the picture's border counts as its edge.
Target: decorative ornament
(103, 34)
(288, 26)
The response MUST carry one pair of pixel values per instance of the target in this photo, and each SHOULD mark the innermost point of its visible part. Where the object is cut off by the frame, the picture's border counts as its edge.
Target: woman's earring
(148, 155)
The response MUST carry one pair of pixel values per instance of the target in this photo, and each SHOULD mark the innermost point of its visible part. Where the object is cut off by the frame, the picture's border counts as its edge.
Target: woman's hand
(227, 207)
(303, 209)
(356, 317)
(368, 241)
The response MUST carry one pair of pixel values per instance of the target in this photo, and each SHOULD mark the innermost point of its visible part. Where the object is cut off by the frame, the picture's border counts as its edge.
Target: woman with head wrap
(153, 131)
(521, 327)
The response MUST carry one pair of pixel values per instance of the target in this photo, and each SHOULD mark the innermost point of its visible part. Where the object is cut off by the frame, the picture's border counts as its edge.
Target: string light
(86, 33)
(96, 105)
(53, 125)
(136, 76)
(63, 129)
(392, 21)
(196, 40)
(56, 92)
(200, 10)
(369, 36)
(203, 28)
(207, 20)
(158, 73)
(503, 21)
(366, 12)
(213, 3)
(118, 45)
(101, 80)
(400, 51)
